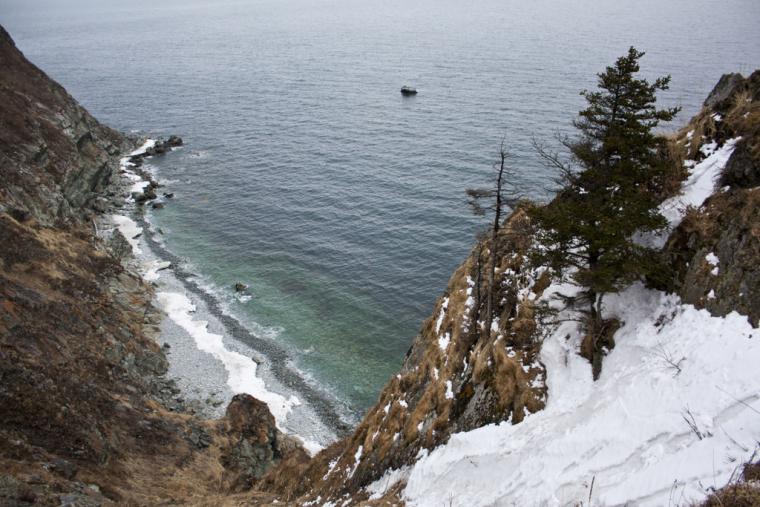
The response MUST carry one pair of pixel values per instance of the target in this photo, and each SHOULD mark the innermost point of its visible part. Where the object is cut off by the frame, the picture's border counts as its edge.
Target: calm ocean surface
(308, 177)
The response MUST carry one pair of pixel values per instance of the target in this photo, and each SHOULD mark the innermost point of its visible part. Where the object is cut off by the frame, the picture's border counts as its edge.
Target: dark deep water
(305, 173)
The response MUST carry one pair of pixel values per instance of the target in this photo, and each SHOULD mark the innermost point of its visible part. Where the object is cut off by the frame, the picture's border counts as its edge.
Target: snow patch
(443, 341)
(696, 189)
(438, 323)
(627, 431)
(449, 391)
(357, 459)
(390, 478)
(713, 260)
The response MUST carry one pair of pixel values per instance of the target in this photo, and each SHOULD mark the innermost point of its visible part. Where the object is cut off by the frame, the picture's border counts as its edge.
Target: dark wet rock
(174, 141)
(20, 214)
(100, 204)
(157, 205)
(147, 195)
(64, 468)
(240, 287)
(255, 443)
(723, 227)
(79, 500)
(159, 148)
(742, 169)
(151, 362)
(719, 98)
(198, 437)
(118, 245)
(169, 195)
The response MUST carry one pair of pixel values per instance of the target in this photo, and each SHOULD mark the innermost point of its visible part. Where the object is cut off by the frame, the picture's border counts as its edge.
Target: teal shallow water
(307, 176)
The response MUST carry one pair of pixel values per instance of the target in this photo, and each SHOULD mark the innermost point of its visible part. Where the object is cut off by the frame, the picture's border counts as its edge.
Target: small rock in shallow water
(174, 141)
(240, 287)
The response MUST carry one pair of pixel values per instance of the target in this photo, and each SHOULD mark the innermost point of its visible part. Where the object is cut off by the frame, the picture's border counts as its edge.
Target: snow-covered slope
(673, 417)
(675, 412)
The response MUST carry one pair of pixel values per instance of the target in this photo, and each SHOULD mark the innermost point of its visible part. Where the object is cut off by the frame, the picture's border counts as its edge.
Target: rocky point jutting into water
(89, 417)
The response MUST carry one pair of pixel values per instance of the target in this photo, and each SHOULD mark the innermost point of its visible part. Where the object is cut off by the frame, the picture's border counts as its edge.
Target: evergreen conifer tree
(608, 188)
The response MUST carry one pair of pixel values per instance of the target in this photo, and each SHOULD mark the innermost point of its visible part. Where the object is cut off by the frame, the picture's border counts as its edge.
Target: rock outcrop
(254, 442)
(715, 251)
(55, 158)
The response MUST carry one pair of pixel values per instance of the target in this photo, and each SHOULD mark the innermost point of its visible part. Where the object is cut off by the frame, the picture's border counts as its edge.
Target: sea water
(307, 176)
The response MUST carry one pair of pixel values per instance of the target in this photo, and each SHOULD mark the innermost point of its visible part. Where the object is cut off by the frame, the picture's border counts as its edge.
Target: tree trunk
(494, 238)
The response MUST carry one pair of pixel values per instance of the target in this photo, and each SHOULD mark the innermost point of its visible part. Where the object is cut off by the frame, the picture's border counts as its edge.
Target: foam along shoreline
(241, 371)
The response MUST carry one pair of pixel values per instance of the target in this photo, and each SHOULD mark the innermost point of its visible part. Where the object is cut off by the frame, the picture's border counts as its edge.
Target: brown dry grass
(703, 126)
(744, 119)
(674, 150)
(736, 495)
(494, 366)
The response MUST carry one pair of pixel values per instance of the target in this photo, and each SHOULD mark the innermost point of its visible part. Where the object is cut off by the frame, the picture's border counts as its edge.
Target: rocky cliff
(56, 158)
(716, 248)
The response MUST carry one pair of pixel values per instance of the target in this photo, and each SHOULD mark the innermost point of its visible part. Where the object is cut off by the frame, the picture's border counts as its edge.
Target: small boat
(408, 90)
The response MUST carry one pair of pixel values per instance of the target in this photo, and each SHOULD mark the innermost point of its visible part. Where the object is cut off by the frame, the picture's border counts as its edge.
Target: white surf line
(138, 183)
(241, 369)
(130, 230)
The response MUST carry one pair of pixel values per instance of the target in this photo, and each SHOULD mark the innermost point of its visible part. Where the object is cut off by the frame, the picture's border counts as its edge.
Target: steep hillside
(55, 157)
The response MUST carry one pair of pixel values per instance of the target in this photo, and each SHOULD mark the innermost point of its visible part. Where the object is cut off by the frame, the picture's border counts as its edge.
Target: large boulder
(254, 442)
(742, 169)
(715, 254)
